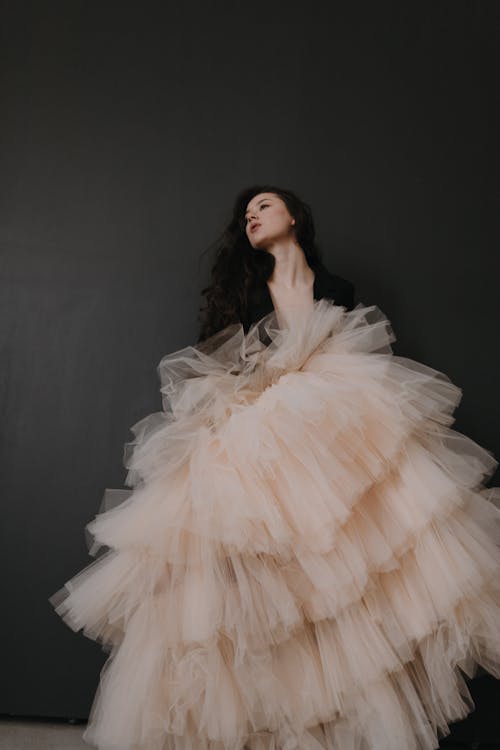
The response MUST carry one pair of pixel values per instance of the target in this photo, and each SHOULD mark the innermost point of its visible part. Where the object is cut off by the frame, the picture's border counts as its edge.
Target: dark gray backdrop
(126, 131)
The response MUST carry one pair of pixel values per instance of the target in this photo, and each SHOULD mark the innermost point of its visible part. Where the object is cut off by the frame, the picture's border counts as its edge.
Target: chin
(257, 244)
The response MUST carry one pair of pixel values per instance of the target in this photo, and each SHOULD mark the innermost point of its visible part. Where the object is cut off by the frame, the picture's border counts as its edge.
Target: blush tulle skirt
(308, 557)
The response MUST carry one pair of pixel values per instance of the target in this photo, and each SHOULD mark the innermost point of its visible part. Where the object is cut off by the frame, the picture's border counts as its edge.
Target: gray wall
(126, 131)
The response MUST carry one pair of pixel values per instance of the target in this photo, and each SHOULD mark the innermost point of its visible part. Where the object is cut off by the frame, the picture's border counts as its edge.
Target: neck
(290, 265)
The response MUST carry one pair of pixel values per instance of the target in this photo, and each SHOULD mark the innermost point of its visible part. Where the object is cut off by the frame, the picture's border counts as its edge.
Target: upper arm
(344, 292)
(349, 295)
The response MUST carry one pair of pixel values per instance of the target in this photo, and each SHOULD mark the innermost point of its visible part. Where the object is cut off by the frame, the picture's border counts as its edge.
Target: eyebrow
(259, 202)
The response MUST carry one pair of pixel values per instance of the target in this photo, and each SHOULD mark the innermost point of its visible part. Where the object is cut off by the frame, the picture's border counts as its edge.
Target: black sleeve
(343, 292)
(349, 295)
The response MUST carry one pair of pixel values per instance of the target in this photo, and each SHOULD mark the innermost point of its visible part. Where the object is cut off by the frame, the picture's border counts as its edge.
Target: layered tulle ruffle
(307, 557)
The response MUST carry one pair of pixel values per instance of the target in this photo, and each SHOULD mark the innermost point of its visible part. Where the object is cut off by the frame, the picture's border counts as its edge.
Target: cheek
(281, 219)
(277, 216)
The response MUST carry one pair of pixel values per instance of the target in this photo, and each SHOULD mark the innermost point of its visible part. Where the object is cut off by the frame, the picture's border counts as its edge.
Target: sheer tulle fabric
(308, 557)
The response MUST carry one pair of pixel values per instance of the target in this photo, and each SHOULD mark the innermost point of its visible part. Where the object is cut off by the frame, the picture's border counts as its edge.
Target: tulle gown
(308, 558)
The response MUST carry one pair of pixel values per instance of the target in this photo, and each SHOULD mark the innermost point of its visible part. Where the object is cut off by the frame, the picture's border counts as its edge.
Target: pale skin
(292, 281)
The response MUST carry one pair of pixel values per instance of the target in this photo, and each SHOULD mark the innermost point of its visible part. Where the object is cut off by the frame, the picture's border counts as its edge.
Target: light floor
(45, 735)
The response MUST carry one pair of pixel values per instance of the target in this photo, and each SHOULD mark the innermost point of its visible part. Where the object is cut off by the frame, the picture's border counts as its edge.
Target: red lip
(254, 227)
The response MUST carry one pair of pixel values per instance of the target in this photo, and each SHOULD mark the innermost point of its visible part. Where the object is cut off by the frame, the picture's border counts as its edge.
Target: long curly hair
(238, 267)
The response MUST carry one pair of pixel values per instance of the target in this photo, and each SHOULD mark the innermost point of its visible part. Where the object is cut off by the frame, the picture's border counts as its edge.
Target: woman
(309, 557)
(269, 240)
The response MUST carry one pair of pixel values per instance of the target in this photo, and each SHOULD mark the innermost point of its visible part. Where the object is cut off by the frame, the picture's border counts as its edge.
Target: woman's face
(267, 219)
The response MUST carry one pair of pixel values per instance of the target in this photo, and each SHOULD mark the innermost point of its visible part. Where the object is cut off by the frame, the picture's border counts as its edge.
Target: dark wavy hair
(238, 266)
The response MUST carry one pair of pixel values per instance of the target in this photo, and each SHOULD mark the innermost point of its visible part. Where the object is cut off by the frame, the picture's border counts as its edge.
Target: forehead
(257, 198)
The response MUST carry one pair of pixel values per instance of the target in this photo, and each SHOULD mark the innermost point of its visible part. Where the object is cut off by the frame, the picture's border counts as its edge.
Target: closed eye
(262, 205)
